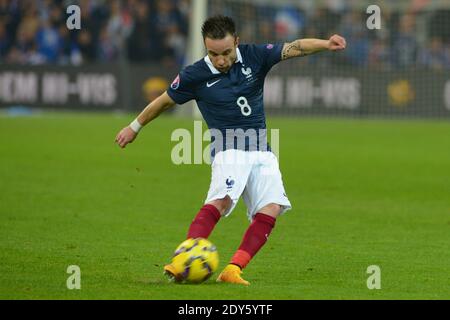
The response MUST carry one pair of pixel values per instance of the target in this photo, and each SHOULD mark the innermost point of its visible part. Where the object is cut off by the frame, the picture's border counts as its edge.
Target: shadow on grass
(162, 282)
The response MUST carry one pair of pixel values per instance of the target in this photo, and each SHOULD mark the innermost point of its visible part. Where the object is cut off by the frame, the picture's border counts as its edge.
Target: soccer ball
(195, 260)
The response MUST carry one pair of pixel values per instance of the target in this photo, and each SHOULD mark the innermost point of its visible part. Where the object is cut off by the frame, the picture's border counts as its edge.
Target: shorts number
(243, 104)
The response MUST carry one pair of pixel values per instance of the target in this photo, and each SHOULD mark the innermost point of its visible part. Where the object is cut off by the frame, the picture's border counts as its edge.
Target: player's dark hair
(217, 27)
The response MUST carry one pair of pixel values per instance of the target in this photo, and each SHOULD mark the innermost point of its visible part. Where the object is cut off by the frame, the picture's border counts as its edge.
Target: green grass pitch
(364, 192)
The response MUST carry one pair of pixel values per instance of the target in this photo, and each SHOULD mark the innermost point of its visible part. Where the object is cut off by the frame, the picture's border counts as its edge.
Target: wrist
(136, 126)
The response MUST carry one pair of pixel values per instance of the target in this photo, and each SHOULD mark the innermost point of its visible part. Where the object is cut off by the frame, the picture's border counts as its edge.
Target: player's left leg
(254, 238)
(256, 235)
(266, 199)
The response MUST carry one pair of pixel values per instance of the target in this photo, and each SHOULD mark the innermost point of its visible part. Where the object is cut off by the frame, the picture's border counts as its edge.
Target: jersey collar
(214, 70)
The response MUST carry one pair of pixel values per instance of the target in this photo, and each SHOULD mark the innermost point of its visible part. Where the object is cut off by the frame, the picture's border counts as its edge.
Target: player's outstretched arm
(153, 110)
(304, 47)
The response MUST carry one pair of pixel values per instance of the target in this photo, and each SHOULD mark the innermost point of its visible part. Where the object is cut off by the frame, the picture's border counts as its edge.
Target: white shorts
(253, 174)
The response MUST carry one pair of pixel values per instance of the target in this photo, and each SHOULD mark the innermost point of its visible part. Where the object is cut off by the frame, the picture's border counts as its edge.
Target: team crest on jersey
(269, 46)
(176, 83)
(229, 182)
(247, 72)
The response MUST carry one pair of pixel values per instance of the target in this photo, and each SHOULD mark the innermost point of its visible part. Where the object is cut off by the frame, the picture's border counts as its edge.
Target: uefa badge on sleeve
(176, 83)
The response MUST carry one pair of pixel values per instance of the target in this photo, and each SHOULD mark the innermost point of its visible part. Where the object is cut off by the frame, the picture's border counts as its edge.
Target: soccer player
(227, 85)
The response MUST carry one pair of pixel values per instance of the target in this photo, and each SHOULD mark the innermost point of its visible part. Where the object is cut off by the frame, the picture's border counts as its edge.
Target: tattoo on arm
(293, 49)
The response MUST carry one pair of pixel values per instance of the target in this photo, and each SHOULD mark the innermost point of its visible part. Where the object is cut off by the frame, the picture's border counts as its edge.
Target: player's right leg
(230, 171)
(202, 226)
(207, 218)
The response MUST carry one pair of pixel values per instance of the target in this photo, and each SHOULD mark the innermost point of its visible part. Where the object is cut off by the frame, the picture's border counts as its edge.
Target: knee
(222, 204)
(272, 209)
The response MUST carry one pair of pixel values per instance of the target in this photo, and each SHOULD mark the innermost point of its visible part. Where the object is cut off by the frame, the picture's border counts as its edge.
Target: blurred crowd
(35, 32)
(413, 37)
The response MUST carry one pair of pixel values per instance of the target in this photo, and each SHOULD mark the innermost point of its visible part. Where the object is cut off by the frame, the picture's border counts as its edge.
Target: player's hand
(336, 43)
(125, 136)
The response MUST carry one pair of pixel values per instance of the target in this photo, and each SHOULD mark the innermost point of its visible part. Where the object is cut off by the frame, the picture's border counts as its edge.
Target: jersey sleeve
(182, 88)
(269, 54)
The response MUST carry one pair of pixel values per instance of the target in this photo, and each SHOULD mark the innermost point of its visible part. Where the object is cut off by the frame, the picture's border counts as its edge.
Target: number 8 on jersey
(245, 107)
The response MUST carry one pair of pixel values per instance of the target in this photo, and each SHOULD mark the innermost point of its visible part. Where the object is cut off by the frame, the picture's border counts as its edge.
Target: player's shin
(254, 238)
(204, 222)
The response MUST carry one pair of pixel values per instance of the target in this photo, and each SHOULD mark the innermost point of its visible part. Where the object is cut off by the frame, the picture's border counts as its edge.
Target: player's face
(222, 52)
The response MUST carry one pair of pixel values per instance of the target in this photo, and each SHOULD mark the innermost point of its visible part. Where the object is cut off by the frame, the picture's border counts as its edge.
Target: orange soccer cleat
(232, 274)
(171, 273)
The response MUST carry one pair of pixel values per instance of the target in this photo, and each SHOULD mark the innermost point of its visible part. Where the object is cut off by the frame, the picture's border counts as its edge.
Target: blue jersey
(231, 100)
